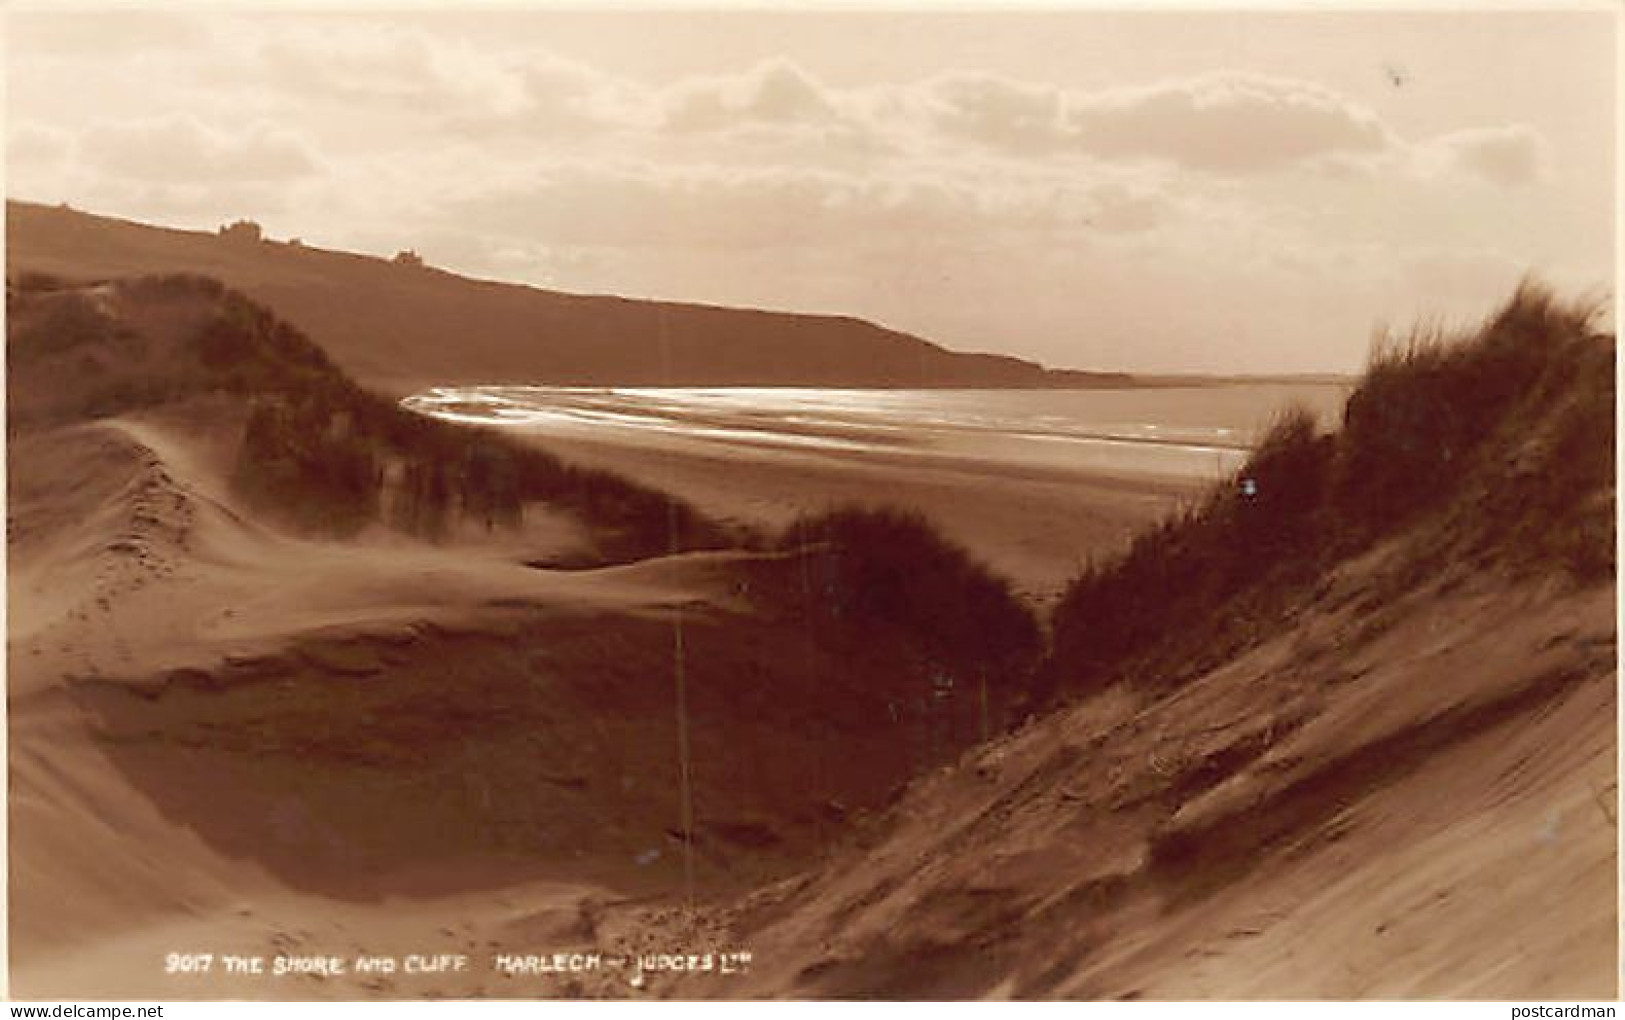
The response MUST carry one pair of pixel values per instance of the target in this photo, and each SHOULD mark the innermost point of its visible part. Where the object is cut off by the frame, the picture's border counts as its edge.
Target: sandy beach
(1036, 483)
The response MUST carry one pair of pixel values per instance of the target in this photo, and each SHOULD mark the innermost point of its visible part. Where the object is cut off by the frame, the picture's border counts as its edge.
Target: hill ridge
(401, 325)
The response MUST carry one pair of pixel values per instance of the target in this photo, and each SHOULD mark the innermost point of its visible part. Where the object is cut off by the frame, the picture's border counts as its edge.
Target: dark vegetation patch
(889, 577)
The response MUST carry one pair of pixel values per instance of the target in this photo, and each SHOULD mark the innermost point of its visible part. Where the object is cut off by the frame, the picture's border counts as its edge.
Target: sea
(1190, 432)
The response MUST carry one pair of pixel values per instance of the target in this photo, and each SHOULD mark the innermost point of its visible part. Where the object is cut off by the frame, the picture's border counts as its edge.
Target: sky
(1151, 190)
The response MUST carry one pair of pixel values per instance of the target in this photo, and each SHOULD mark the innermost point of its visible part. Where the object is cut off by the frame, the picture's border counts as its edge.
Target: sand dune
(231, 733)
(1428, 813)
(280, 721)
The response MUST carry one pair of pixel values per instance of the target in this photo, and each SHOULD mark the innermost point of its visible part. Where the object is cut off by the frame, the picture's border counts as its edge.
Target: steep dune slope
(1427, 813)
(1347, 729)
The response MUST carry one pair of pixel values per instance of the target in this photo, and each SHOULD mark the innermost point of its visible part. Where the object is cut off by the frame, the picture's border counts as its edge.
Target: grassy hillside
(410, 325)
(314, 449)
(1493, 448)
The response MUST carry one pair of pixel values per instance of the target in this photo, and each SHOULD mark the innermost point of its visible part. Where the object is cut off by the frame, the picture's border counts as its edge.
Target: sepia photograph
(811, 503)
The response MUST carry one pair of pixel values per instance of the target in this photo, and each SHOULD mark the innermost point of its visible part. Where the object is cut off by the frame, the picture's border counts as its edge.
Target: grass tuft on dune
(891, 576)
(1491, 446)
(317, 450)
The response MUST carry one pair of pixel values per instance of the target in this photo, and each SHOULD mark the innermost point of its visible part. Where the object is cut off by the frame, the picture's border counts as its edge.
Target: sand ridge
(278, 719)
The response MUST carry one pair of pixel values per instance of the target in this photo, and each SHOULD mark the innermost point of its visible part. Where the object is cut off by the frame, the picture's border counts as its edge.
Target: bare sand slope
(129, 558)
(128, 565)
(225, 737)
(1416, 805)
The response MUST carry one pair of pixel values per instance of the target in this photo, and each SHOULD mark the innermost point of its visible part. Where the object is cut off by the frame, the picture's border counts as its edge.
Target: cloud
(989, 202)
(693, 208)
(180, 150)
(1509, 156)
(1225, 122)
(563, 93)
(995, 112)
(398, 70)
(401, 82)
(774, 92)
(1229, 123)
(446, 84)
(746, 210)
